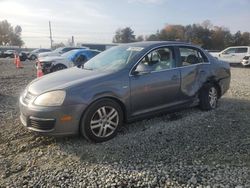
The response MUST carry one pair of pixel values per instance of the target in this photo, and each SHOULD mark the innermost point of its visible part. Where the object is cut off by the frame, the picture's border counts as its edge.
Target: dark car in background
(34, 54)
(23, 55)
(69, 59)
(122, 84)
(1, 54)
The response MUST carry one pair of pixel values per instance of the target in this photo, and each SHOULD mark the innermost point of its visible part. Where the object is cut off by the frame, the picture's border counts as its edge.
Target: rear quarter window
(241, 50)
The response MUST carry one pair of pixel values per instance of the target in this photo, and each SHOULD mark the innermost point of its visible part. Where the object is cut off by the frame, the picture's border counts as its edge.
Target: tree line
(9, 35)
(205, 35)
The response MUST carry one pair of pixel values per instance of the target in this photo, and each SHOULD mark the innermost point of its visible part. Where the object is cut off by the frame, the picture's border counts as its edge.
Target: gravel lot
(189, 148)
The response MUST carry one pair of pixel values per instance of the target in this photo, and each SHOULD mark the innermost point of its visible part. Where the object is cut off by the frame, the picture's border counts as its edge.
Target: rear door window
(230, 51)
(191, 56)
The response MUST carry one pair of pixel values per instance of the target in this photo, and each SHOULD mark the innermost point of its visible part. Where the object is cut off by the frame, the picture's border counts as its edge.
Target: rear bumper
(224, 85)
(48, 120)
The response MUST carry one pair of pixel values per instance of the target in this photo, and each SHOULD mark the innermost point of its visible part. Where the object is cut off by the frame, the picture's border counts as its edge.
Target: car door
(154, 81)
(194, 67)
(228, 55)
(240, 53)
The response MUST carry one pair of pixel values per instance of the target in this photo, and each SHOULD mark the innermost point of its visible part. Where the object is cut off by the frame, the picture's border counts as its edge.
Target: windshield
(70, 53)
(113, 59)
(58, 50)
(34, 51)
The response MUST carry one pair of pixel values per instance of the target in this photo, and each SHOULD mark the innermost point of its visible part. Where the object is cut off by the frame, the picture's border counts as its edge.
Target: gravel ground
(189, 148)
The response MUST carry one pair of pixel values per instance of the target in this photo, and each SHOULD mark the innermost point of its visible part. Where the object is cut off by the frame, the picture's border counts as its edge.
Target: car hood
(51, 58)
(44, 54)
(215, 54)
(62, 80)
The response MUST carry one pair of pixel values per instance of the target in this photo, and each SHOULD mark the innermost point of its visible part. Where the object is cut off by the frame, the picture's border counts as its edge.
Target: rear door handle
(202, 72)
(175, 77)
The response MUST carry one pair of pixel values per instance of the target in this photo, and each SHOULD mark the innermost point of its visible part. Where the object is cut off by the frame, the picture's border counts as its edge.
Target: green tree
(124, 35)
(153, 37)
(5, 31)
(10, 36)
(172, 32)
(245, 39)
(139, 38)
(58, 45)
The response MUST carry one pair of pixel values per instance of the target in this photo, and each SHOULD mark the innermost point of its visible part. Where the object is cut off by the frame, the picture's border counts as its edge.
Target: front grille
(28, 97)
(44, 125)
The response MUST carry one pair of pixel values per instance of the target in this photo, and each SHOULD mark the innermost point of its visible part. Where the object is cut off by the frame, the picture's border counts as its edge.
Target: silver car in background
(59, 51)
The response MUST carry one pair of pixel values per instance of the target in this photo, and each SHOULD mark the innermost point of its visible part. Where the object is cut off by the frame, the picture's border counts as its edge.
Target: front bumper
(245, 62)
(45, 67)
(48, 120)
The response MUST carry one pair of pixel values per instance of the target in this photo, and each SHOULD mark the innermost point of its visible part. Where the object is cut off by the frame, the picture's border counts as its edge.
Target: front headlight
(52, 98)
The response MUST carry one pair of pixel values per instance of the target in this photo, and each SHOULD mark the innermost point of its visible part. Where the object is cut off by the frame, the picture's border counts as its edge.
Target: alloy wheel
(104, 121)
(213, 97)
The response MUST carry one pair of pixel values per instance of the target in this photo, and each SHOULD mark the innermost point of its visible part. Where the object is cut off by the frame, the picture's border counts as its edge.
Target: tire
(209, 97)
(101, 120)
(33, 57)
(58, 67)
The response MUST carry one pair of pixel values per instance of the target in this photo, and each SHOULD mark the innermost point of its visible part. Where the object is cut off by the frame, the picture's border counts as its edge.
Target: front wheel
(101, 120)
(208, 97)
(33, 57)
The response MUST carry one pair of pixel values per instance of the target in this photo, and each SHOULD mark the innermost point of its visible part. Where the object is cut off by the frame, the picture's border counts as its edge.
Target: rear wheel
(101, 120)
(208, 97)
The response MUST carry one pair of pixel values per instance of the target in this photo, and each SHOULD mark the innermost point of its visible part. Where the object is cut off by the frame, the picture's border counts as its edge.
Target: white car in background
(59, 51)
(69, 59)
(234, 54)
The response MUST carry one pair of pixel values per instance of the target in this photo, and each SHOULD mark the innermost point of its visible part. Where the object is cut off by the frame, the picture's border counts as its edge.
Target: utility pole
(51, 41)
(72, 41)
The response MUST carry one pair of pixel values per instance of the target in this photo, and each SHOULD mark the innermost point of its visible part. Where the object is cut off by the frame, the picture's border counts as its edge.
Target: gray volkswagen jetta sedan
(122, 84)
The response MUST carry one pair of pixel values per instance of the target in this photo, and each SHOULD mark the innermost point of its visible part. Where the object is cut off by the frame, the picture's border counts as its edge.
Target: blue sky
(97, 20)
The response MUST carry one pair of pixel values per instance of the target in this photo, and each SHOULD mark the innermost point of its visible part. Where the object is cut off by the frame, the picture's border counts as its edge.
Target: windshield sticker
(138, 49)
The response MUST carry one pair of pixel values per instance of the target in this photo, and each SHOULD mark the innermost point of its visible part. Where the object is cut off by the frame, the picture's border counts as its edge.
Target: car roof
(238, 47)
(146, 44)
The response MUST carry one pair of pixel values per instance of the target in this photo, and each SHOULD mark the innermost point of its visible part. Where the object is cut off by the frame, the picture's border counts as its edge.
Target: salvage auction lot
(190, 147)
